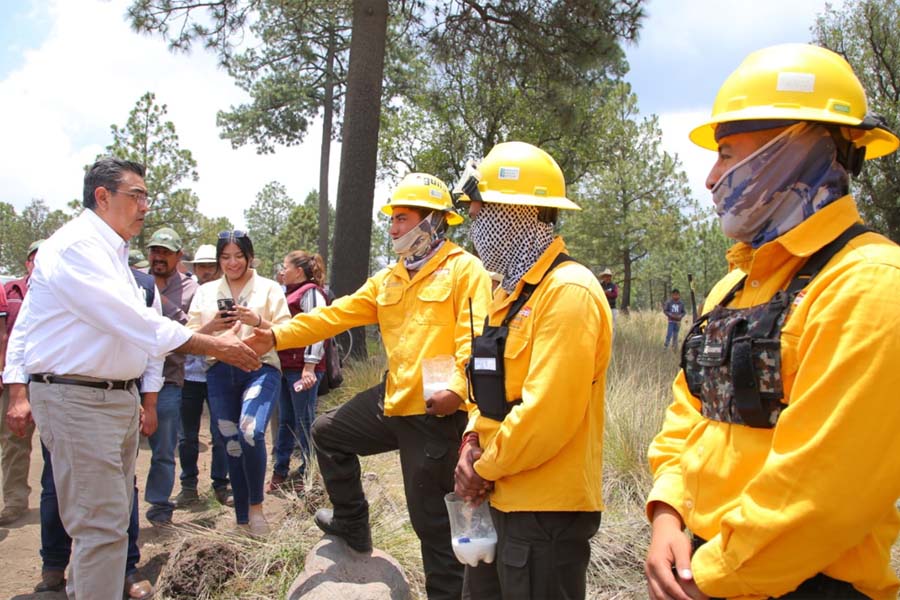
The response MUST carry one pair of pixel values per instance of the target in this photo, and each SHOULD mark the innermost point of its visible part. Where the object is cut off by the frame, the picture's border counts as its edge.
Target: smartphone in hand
(225, 305)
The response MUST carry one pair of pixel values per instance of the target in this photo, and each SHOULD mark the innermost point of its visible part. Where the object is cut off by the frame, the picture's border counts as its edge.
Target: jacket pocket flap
(437, 291)
(390, 295)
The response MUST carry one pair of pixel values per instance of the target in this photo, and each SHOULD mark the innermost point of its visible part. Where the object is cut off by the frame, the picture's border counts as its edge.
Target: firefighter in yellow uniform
(780, 452)
(535, 439)
(422, 308)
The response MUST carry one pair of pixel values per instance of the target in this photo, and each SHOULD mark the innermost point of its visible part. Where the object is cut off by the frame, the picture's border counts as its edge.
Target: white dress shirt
(84, 314)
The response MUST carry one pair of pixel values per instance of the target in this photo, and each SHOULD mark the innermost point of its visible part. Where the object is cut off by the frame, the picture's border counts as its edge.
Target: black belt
(100, 385)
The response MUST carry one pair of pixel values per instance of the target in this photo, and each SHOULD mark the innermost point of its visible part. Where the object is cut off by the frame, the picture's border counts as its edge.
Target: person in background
(674, 311)
(194, 395)
(176, 292)
(184, 265)
(534, 440)
(302, 369)
(15, 451)
(137, 260)
(780, 451)
(611, 290)
(240, 402)
(423, 305)
(83, 385)
(279, 278)
(204, 264)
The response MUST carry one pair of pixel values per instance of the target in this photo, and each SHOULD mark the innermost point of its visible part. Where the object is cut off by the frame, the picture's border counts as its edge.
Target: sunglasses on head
(230, 235)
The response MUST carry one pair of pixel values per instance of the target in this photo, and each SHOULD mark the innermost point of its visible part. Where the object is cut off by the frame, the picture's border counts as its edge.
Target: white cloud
(688, 48)
(57, 107)
(695, 161)
(705, 29)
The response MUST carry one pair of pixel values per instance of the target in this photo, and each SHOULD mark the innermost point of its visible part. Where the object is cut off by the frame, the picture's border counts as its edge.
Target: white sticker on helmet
(511, 173)
(796, 82)
(435, 193)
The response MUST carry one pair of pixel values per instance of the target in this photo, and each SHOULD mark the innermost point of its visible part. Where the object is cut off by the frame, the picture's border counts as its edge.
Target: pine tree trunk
(325, 156)
(359, 149)
(625, 296)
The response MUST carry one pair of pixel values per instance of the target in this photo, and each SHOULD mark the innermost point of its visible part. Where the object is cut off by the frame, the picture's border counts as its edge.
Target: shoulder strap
(807, 272)
(817, 261)
(811, 267)
(529, 288)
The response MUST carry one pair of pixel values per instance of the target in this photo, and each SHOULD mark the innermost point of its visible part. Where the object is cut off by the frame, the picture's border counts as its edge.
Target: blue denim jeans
(672, 333)
(56, 545)
(240, 404)
(297, 412)
(161, 477)
(193, 397)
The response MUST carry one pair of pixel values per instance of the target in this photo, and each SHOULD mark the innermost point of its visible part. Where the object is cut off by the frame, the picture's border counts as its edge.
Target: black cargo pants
(540, 555)
(428, 452)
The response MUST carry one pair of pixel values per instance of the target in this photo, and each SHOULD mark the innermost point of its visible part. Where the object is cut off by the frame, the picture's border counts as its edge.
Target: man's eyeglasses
(230, 235)
(140, 197)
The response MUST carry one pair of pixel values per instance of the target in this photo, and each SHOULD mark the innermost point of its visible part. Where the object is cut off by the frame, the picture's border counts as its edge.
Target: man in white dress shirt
(83, 338)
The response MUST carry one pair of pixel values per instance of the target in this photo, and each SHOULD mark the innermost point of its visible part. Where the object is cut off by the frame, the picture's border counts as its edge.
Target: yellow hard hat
(423, 191)
(519, 173)
(797, 82)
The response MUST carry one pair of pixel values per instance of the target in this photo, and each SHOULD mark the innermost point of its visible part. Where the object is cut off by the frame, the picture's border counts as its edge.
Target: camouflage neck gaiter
(780, 185)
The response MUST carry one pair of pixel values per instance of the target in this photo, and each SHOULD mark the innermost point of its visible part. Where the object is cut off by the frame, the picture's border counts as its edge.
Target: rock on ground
(334, 570)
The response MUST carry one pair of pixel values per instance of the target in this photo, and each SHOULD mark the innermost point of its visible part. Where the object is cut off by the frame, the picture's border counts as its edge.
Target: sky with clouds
(71, 68)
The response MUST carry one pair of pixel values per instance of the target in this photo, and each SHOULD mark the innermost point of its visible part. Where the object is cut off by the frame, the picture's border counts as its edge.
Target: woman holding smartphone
(302, 368)
(240, 402)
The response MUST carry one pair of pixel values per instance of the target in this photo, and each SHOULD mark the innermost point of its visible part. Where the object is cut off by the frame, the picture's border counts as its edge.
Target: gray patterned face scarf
(780, 185)
(509, 238)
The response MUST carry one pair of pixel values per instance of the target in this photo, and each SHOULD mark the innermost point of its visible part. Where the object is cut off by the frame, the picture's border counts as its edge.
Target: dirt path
(20, 542)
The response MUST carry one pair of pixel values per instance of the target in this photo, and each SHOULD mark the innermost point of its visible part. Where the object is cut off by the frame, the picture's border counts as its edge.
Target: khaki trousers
(15, 458)
(93, 437)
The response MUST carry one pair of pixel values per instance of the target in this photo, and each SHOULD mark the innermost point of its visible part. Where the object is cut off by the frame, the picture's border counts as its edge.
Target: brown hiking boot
(276, 484)
(11, 514)
(186, 497)
(223, 496)
(52, 580)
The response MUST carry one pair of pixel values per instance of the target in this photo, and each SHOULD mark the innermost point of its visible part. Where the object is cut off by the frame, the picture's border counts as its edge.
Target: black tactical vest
(731, 357)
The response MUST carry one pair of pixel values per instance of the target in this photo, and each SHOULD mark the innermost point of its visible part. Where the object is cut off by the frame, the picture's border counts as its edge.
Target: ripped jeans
(240, 404)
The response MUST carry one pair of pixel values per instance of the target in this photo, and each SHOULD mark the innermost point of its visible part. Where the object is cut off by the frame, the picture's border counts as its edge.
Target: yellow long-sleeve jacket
(419, 318)
(816, 493)
(547, 454)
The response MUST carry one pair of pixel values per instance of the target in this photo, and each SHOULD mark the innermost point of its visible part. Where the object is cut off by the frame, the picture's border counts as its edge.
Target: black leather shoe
(356, 533)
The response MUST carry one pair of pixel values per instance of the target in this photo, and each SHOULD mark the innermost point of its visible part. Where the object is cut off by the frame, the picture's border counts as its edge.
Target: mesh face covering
(780, 185)
(509, 239)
